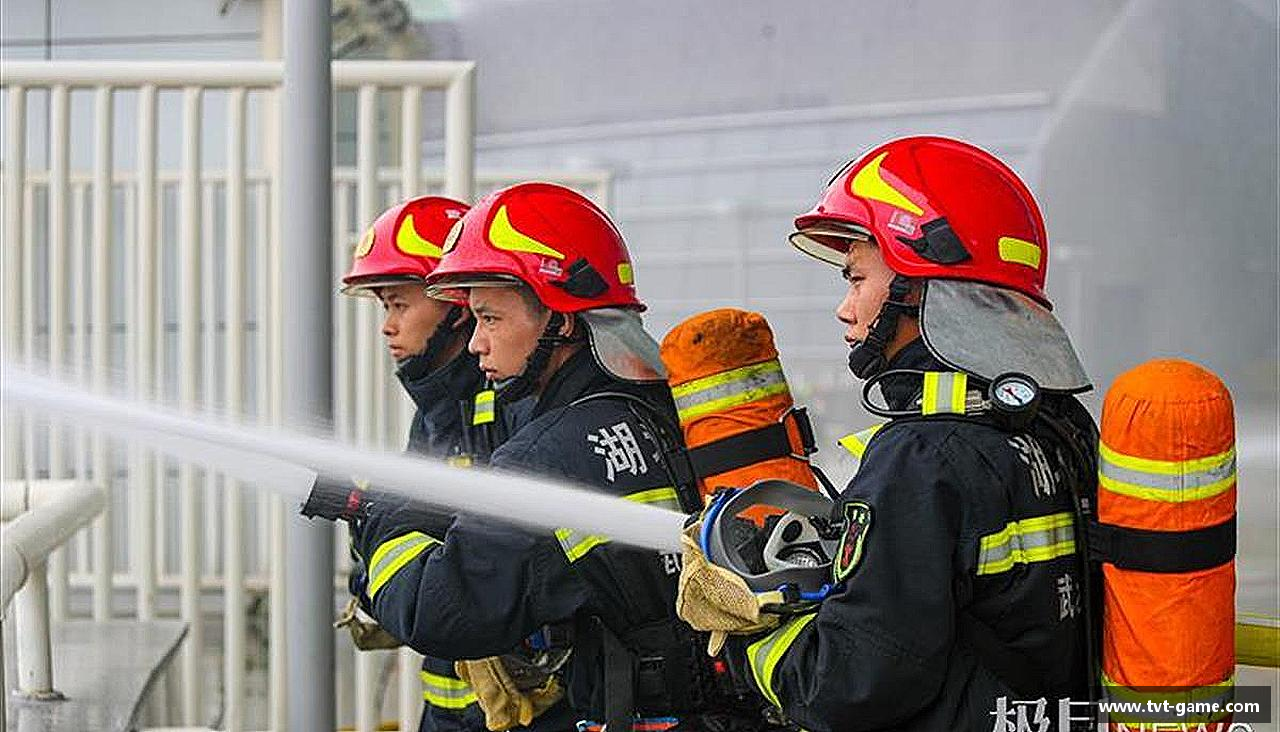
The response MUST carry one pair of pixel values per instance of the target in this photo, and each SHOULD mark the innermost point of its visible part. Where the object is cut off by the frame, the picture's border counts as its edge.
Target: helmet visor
(454, 287)
(829, 241)
(369, 286)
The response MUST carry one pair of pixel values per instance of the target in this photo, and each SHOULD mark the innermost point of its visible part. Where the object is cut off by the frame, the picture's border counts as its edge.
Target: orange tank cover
(724, 373)
(1167, 463)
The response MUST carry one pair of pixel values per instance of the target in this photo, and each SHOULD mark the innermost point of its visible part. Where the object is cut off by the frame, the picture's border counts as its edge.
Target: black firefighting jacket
(445, 409)
(485, 585)
(958, 538)
(437, 429)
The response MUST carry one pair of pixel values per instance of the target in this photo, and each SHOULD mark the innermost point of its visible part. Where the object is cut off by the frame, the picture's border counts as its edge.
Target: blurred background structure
(1147, 128)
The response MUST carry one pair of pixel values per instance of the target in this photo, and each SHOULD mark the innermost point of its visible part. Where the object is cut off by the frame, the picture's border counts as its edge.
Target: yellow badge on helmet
(409, 241)
(451, 240)
(366, 244)
(870, 183)
(505, 236)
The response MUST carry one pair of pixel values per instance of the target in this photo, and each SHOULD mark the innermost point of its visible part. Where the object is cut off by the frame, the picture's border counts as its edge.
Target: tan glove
(715, 599)
(366, 634)
(504, 705)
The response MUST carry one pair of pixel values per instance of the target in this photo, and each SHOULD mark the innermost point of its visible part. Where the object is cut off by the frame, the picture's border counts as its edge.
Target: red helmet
(937, 208)
(951, 214)
(547, 236)
(403, 245)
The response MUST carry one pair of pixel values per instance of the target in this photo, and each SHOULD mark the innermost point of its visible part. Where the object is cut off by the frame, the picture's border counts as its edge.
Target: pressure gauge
(1014, 397)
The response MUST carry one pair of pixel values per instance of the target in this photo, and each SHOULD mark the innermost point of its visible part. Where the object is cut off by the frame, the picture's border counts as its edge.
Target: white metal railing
(174, 288)
(166, 279)
(42, 516)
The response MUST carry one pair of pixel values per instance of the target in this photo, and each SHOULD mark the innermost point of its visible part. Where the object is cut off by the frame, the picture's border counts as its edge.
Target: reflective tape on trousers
(1037, 539)
(763, 655)
(576, 543)
(446, 692)
(1172, 481)
(729, 389)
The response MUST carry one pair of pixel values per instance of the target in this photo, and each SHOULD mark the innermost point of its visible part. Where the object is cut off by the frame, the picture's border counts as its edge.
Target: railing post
(35, 665)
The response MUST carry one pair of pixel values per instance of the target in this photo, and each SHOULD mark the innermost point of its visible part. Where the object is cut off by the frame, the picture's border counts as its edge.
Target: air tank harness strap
(1165, 552)
(754, 446)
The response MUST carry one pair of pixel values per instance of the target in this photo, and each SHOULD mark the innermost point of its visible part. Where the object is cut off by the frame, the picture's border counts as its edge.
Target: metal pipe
(15, 158)
(234, 637)
(262, 364)
(225, 74)
(100, 346)
(79, 350)
(141, 476)
(188, 397)
(459, 135)
(59, 165)
(410, 707)
(365, 353)
(209, 372)
(35, 666)
(26, 544)
(29, 324)
(306, 299)
(343, 318)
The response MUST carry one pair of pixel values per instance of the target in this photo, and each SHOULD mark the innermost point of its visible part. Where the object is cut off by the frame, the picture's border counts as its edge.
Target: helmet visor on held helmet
(795, 553)
(829, 241)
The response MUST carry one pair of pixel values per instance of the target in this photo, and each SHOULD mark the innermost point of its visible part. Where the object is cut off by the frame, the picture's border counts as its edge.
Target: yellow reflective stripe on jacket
(763, 655)
(1173, 481)
(576, 543)
(1037, 539)
(391, 555)
(483, 411)
(1208, 696)
(856, 442)
(729, 389)
(446, 692)
(944, 392)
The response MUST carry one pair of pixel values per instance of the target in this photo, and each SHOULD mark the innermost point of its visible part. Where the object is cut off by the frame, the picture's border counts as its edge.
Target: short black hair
(531, 300)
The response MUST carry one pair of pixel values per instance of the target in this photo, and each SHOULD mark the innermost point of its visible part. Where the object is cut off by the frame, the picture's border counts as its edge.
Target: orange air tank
(1167, 476)
(727, 381)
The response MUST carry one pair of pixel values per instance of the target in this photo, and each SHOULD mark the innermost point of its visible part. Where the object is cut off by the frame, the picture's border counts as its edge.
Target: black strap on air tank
(675, 456)
(1163, 551)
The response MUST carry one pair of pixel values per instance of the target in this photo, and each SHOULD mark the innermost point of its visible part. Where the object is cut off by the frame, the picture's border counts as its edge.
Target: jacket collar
(902, 391)
(576, 378)
(444, 387)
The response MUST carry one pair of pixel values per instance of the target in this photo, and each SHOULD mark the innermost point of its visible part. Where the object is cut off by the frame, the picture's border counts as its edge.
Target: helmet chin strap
(443, 332)
(866, 357)
(422, 362)
(518, 387)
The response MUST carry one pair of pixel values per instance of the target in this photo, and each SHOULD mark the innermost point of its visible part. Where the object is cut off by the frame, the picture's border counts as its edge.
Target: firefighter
(956, 588)
(550, 283)
(427, 338)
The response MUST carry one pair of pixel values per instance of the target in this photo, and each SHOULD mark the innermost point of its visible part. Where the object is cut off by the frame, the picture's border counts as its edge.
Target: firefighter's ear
(569, 325)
